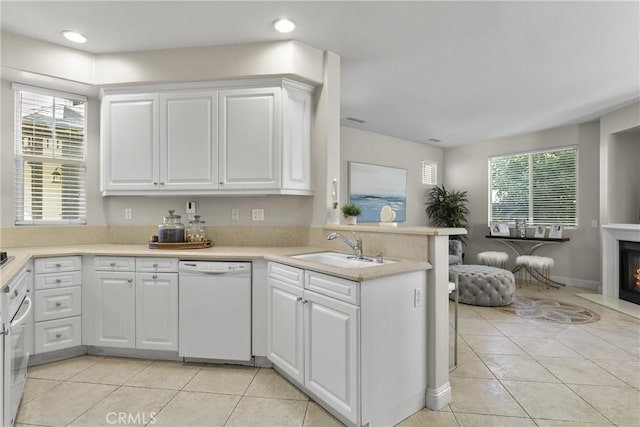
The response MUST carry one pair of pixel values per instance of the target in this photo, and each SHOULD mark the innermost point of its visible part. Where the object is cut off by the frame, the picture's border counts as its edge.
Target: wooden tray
(181, 245)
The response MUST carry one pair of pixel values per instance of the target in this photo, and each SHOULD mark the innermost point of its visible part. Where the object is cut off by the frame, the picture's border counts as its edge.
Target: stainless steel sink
(336, 259)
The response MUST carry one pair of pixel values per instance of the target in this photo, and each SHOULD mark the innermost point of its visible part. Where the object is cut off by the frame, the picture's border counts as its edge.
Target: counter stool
(537, 266)
(453, 287)
(495, 259)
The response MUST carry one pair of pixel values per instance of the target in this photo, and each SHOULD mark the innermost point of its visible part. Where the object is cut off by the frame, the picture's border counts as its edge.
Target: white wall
(624, 178)
(367, 147)
(618, 121)
(466, 168)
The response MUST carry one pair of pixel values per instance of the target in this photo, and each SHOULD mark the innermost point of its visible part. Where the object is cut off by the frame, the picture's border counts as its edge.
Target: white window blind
(540, 186)
(50, 156)
(429, 173)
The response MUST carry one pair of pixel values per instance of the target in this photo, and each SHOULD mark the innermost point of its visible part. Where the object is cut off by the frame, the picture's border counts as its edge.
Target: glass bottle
(171, 230)
(196, 231)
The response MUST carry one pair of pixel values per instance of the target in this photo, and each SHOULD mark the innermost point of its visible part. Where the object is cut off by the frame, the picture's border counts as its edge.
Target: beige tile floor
(512, 372)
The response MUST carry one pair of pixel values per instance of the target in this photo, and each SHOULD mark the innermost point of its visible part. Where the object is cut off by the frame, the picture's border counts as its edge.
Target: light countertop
(218, 253)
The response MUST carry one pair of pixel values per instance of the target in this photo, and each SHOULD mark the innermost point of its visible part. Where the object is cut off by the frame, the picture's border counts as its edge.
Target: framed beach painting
(371, 187)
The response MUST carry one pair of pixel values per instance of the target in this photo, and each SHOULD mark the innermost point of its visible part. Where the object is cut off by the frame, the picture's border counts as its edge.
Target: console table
(515, 243)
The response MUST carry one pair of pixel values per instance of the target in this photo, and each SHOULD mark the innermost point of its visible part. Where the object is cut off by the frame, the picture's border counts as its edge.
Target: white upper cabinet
(188, 140)
(218, 138)
(249, 134)
(129, 142)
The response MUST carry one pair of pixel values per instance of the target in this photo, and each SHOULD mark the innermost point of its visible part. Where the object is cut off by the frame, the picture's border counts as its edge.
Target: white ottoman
(496, 259)
(537, 266)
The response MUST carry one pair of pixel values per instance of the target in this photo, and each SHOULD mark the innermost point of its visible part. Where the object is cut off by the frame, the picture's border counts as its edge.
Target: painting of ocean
(371, 187)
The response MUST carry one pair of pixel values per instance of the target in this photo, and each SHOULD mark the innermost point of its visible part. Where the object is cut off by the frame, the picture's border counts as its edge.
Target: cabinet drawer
(57, 334)
(58, 264)
(58, 280)
(160, 265)
(287, 274)
(335, 287)
(58, 303)
(111, 263)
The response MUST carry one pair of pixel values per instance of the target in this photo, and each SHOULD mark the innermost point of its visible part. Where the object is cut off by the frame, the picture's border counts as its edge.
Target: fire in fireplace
(630, 271)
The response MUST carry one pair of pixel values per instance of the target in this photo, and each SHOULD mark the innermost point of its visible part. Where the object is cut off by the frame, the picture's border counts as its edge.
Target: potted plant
(447, 208)
(351, 212)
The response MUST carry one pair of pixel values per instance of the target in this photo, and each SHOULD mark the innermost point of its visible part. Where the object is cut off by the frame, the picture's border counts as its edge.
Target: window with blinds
(540, 186)
(429, 173)
(50, 156)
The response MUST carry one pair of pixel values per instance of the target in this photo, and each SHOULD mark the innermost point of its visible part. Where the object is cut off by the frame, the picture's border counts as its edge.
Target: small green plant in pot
(351, 212)
(448, 208)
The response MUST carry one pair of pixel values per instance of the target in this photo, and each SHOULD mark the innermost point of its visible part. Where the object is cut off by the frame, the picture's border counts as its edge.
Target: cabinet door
(331, 352)
(114, 315)
(189, 141)
(157, 311)
(285, 343)
(296, 139)
(249, 138)
(129, 142)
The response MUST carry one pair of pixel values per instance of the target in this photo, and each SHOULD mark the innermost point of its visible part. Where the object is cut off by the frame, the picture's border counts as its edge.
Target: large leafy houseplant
(448, 208)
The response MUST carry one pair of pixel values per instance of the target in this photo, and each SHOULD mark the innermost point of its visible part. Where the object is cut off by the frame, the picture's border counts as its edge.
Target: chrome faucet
(355, 247)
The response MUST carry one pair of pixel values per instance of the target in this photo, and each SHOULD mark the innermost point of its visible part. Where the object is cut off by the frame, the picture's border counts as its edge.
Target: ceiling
(457, 72)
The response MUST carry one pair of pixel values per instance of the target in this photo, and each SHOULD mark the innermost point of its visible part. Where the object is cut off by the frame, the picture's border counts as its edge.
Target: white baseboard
(438, 398)
(578, 283)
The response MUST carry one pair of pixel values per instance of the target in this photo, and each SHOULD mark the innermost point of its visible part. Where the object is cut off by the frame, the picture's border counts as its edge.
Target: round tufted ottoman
(484, 285)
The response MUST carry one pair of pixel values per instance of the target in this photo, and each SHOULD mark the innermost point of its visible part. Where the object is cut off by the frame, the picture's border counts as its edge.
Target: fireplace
(629, 271)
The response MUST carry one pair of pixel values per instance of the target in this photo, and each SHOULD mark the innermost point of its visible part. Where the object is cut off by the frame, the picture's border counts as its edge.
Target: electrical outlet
(235, 214)
(128, 214)
(191, 210)
(257, 214)
(417, 297)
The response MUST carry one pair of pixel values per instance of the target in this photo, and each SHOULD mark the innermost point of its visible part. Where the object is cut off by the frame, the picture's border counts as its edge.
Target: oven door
(16, 360)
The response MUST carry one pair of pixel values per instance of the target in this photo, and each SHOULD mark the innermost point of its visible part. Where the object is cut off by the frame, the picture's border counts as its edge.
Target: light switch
(235, 214)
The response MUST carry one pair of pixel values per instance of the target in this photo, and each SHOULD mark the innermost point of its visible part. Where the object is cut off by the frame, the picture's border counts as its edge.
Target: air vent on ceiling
(353, 119)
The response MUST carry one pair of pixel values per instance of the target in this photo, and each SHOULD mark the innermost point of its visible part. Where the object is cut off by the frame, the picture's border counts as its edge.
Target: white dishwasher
(215, 310)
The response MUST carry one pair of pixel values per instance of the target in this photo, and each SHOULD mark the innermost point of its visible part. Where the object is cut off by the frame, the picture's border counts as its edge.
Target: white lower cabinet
(115, 312)
(357, 348)
(157, 311)
(57, 304)
(136, 308)
(314, 339)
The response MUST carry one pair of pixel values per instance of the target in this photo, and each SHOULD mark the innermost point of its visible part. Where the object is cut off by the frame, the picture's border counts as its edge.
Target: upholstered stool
(484, 285)
(496, 259)
(536, 266)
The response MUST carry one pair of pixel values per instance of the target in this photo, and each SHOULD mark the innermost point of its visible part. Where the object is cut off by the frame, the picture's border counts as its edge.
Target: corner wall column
(438, 387)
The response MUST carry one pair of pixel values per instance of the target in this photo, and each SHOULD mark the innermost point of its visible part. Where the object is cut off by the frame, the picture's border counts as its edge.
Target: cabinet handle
(155, 265)
(113, 264)
(299, 299)
(28, 270)
(58, 304)
(58, 335)
(58, 280)
(58, 265)
(162, 183)
(130, 281)
(304, 301)
(155, 276)
(155, 183)
(221, 183)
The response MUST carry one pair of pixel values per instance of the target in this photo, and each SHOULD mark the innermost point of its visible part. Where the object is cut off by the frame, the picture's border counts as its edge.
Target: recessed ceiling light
(284, 25)
(74, 36)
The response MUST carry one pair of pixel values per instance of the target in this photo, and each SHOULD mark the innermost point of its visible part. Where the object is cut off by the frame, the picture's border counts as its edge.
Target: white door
(285, 328)
(114, 315)
(249, 129)
(296, 139)
(331, 352)
(157, 311)
(189, 141)
(130, 158)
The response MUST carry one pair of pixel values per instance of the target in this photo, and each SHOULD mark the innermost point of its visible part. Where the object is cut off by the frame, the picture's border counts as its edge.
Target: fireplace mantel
(611, 235)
